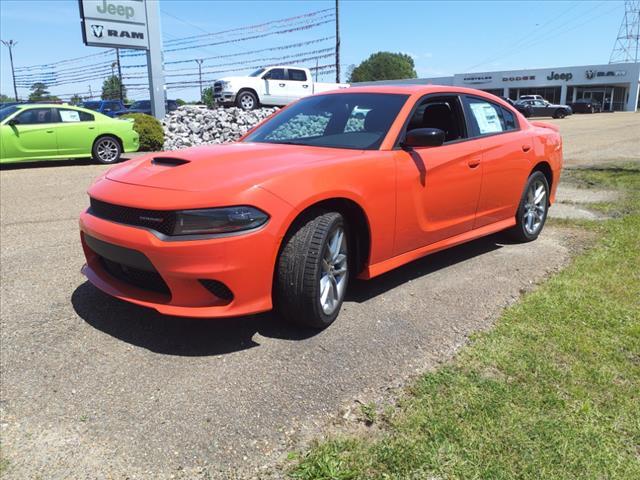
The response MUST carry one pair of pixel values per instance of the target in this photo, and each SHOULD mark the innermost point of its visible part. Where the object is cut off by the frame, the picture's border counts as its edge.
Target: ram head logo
(97, 30)
(590, 74)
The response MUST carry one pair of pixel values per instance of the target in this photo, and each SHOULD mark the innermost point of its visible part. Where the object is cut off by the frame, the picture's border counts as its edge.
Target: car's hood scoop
(168, 161)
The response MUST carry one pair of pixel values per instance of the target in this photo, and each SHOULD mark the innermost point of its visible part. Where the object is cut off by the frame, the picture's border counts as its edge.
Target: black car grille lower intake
(133, 276)
(219, 289)
(162, 221)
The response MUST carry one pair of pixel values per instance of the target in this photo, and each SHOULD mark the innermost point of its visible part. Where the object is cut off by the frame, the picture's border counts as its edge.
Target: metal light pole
(337, 44)
(199, 61)
(10, 44)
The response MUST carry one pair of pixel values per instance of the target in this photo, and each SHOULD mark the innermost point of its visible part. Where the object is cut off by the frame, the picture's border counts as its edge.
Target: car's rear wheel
(313, 270)
(106, 150)
(247, 100)
(533, 208)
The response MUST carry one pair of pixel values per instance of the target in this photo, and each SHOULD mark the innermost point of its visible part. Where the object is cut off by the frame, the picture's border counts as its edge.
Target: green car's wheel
(106, 149)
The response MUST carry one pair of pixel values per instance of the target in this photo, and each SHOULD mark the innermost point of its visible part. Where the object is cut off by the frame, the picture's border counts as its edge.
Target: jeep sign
(114, 23)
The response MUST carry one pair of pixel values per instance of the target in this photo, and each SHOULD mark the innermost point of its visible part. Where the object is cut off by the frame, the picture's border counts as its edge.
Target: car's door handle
(473, 163)
(49, 131)
(92, 128)
(305, 86)
(281, 84)
(526, 148)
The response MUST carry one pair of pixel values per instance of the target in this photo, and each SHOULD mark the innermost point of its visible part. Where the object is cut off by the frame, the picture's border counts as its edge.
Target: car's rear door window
(297, 75)
(67, 115)
(488, 118)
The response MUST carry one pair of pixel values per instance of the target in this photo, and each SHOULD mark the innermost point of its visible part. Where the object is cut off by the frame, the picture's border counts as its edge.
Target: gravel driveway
(96, 388)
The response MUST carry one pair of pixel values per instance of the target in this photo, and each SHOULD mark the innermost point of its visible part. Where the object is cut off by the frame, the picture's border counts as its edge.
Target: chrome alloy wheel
(246, 100)
(535, 207)
(107, 150)
(335, 271)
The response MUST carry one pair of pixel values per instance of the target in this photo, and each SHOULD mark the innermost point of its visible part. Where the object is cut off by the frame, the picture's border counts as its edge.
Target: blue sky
(442, 37)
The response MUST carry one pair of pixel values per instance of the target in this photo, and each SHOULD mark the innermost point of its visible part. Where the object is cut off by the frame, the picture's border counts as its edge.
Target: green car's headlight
(218, 220)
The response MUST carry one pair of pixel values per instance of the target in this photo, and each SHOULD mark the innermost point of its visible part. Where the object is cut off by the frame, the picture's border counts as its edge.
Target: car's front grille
(136, 277)
(162, 221)
(217, 87)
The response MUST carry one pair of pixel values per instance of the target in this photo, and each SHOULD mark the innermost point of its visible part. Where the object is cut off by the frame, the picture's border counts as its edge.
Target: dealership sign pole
(128, 24)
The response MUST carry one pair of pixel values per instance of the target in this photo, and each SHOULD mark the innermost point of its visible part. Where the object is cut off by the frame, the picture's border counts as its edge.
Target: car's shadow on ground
(146, 328)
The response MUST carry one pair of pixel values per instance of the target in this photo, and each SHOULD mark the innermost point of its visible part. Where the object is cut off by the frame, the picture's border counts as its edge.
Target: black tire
(106, 150)
(247, 100)
(559, 113)
(300, 270)
(521, 232)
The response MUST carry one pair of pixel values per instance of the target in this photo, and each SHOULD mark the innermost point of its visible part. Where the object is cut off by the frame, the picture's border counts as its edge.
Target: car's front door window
(35, 116)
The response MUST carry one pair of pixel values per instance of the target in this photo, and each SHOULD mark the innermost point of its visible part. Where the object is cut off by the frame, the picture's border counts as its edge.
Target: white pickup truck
(272, 86)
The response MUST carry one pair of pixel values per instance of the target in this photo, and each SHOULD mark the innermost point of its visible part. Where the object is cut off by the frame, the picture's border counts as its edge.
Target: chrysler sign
(114, 23)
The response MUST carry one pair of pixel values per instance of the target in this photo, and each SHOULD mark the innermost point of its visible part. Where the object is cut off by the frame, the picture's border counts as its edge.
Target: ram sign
(114, 23)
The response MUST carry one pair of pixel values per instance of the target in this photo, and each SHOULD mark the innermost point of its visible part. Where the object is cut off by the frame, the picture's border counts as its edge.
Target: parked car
(272, 86)
(586, 105)
(530, 97)
(106, 107)
(144, 106)
(524, 109)
(312, 198)
(542, 108)
(49, 132)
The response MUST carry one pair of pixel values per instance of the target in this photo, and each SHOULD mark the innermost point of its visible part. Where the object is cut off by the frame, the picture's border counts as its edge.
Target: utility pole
(119, 74)
(337, 44)
(199, 61)
(90, 93)
(10, 44)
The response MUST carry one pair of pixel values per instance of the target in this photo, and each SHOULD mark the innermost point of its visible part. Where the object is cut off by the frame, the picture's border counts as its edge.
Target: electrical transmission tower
(626, 47)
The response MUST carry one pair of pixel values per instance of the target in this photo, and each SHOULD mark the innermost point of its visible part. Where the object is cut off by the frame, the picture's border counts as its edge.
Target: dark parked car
(526, 110)
(144, 106)
(586, 105)
(542, 108)
(106, 107)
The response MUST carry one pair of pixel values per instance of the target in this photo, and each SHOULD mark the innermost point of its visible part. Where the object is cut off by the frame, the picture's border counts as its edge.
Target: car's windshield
(257, 72)
(91, 105)
(141, 104)
(343, 120)
(6, 111)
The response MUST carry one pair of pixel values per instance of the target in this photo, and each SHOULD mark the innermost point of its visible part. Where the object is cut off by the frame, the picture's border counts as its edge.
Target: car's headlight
(226, 85)
(218, 220)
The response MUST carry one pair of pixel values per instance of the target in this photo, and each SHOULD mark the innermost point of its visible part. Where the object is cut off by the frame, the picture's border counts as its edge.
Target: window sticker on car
(69, 116)
(487, 118)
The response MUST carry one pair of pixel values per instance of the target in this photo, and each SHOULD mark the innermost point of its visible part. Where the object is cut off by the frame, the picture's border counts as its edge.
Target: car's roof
(411, 89)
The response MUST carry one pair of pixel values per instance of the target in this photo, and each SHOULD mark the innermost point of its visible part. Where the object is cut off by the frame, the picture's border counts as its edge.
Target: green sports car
(49, 132)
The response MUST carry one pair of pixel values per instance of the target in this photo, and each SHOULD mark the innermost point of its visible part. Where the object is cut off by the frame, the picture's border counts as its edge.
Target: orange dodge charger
(346, 184)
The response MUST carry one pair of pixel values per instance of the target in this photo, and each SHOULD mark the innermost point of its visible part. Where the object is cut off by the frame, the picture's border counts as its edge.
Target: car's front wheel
(106, 150)
(247, 100)
(313, 270)
(533, 208)
(560, 114)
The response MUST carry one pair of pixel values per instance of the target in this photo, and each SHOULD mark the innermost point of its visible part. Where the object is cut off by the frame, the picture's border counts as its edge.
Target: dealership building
(615, 86)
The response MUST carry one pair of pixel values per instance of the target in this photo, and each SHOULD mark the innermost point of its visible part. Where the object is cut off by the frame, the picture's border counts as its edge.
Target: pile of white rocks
(189, 126)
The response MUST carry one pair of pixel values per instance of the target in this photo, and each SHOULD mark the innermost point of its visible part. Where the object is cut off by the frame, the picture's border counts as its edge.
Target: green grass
(552, 392)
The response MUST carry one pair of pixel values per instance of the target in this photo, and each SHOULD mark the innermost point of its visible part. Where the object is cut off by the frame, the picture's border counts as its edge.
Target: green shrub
(150, 131)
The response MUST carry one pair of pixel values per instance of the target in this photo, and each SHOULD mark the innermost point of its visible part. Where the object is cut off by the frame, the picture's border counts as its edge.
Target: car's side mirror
(13, 122)
(423, 137)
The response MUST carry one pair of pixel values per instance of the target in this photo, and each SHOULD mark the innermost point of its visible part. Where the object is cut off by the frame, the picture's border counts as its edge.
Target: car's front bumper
(225, 98)
(242, 263)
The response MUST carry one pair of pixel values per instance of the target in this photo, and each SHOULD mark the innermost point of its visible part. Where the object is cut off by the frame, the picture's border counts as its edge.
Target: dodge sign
(114, 23)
